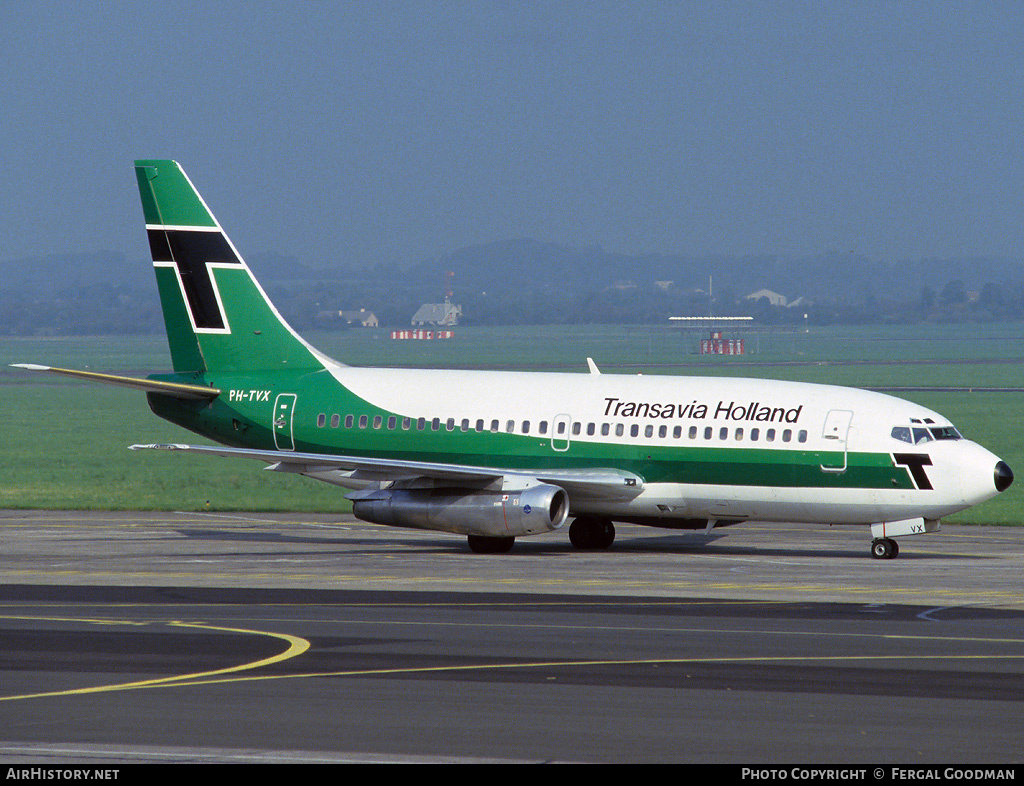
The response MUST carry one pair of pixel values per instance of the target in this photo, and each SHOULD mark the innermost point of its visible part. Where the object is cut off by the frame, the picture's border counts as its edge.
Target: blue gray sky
(386, 131)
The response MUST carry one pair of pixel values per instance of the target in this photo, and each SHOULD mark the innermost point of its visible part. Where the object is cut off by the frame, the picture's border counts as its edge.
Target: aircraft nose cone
(1003, 476)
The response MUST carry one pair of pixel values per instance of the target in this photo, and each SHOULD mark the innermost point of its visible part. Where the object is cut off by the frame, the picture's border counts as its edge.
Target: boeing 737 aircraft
(499, 455)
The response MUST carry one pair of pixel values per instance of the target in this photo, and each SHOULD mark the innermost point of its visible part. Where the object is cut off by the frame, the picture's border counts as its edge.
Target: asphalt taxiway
(254, 637)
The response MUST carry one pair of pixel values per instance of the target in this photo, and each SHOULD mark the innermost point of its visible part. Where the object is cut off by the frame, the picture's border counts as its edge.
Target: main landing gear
(884, 548)
(584, 533)
(591, 533)
(481, 544)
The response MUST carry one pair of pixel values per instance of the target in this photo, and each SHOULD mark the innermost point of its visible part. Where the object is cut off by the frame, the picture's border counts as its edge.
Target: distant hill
(534, 263)
(528, 281)
(58, 273)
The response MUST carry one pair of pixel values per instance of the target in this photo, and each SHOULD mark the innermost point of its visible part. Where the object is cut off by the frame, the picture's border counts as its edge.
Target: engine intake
(540, 508)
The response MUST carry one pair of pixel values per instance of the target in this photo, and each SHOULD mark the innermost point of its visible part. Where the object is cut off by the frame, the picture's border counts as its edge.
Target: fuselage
(494, 455)
(718, 449)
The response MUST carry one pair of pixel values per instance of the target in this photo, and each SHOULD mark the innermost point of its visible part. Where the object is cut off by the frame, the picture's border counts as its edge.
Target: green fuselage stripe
(247, 422)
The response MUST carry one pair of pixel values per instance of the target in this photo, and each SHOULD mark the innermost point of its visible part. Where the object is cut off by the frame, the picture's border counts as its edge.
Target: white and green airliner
(498, 455)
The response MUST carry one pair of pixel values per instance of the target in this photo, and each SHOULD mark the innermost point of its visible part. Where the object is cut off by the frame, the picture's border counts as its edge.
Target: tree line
(530, 282)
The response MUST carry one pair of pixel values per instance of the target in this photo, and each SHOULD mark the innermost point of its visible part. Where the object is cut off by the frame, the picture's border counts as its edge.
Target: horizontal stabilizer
(175, 389)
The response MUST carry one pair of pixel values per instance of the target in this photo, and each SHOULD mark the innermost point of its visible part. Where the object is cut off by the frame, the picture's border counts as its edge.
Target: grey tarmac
(177, 637)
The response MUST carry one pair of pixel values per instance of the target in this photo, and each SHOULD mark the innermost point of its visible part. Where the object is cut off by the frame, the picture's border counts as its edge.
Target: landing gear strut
(591, 533)
(884, 548)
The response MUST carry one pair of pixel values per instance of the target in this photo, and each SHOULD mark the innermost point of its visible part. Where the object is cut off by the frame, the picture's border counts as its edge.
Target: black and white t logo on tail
(192, 252)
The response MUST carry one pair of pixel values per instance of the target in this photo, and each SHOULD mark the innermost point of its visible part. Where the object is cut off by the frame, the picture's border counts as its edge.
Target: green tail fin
(218, 318)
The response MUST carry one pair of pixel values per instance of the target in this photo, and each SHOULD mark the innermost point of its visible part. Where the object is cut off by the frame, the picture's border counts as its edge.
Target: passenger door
(836, 433)
(284, 414)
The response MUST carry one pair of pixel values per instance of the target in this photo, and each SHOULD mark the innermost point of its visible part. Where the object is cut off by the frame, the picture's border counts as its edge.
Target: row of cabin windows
(592, 429)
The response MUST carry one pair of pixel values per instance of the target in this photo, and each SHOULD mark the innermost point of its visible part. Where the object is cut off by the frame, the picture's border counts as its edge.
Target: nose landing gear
(884, 548)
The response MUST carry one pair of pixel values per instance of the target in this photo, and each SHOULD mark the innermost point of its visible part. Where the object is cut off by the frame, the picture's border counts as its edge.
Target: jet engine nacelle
(537, 509)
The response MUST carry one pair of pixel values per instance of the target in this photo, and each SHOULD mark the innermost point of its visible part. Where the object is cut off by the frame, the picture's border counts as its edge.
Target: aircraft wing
(175, 389)
(597, 482)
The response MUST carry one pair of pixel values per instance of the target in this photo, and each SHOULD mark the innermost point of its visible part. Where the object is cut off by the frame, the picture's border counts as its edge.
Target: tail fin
(218, 318)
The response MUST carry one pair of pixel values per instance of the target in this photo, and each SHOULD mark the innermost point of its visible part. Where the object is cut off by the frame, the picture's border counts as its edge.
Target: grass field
(65, 442)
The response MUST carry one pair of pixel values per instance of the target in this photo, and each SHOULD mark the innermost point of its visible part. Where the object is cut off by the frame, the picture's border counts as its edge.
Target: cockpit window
(902, 433)
(917, 434)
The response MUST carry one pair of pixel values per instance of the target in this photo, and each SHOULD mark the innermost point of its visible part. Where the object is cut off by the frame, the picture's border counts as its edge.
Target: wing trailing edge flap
(360, 472)
(174, 389)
